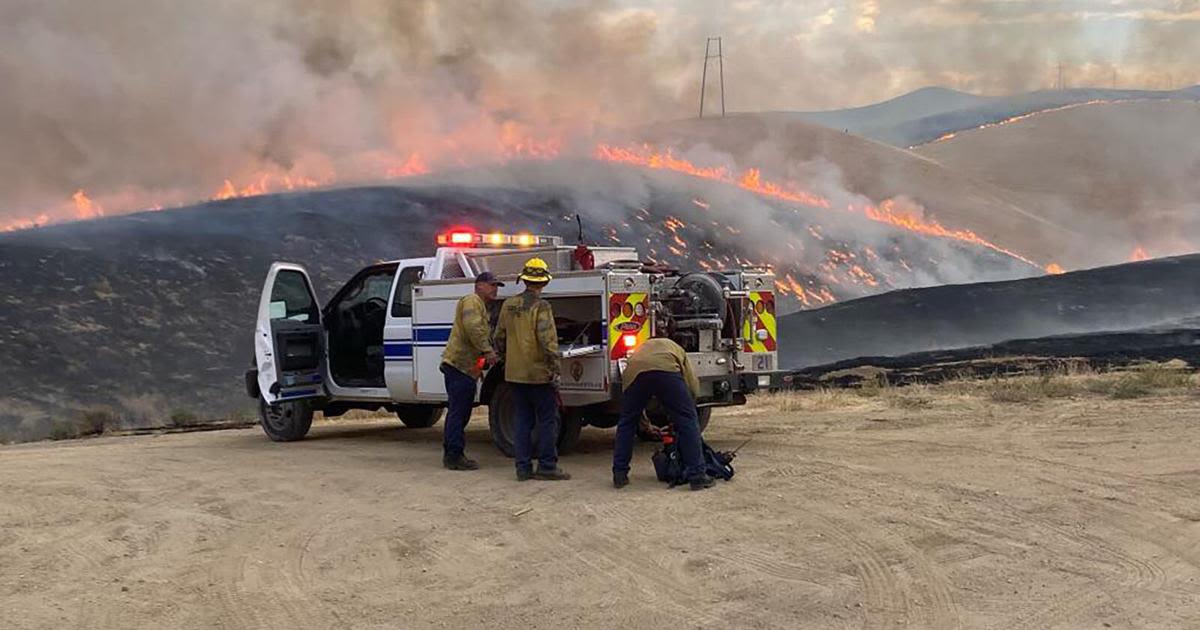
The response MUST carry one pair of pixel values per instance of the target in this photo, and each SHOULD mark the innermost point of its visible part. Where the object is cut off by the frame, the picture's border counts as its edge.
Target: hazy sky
(828, 54)
(161, 100)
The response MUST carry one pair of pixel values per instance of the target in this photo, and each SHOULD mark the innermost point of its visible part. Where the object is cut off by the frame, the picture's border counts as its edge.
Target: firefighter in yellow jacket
(529, 343)
(469, 346)
(660, 369)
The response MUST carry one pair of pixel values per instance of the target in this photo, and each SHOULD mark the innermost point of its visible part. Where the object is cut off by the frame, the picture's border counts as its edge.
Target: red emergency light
(467, 237)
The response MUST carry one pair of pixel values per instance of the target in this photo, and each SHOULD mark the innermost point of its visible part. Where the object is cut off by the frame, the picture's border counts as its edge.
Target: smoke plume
(158, 102)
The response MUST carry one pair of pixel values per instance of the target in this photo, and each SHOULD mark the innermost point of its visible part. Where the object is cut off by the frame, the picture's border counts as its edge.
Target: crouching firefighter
(660, 369)
(469, 346)
(529, 341)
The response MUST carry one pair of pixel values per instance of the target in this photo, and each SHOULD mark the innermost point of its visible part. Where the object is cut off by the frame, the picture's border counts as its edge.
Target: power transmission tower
(720, 69)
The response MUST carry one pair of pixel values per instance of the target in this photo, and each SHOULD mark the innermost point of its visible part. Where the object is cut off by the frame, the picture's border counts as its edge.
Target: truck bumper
(733, 389)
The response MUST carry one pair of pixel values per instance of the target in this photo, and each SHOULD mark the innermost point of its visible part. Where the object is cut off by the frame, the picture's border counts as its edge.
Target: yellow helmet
(536, 270)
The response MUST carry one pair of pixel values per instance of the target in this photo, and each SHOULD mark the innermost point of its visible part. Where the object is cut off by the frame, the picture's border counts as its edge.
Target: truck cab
(377, 343)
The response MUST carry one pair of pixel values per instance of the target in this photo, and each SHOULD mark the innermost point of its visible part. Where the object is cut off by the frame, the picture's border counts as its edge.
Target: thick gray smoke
(158, 101)
(174, 97)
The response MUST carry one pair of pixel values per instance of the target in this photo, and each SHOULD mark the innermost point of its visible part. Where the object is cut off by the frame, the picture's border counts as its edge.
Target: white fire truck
(377, 344)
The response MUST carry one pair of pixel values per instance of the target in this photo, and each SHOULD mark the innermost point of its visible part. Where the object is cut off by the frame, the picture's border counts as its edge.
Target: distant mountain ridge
(929, 113)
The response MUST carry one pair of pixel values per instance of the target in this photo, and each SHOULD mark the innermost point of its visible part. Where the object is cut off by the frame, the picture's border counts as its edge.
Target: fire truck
(377, 343)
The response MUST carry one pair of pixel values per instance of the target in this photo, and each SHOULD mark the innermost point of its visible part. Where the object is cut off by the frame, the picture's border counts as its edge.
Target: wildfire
(1020, 117)
(753, 181)
(1138, 255)
(887, 213)
(85, 208)
(1054, 269)
(263, 184)
(414, 165)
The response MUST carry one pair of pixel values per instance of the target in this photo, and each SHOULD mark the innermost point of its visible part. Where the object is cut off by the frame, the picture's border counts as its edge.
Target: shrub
(182, 418)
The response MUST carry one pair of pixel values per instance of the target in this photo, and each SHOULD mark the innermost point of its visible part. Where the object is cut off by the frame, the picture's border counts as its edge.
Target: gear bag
(668, 465)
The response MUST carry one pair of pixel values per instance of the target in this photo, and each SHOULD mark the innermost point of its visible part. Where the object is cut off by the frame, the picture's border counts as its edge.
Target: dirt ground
(956, 513)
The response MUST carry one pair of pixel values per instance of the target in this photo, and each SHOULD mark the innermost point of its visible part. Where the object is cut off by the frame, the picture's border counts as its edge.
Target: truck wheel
(419, 416)
(502, 421)
(286, 421)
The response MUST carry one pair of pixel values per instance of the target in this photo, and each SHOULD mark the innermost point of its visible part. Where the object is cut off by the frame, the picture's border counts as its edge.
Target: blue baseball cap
(488, 277)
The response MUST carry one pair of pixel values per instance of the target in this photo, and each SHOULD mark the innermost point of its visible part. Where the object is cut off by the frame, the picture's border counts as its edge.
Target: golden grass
(1070, 380)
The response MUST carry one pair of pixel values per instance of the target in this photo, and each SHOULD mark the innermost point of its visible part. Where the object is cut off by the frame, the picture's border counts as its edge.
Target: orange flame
(1138, 255)
(1054, 269)
(1020, 117)
(753, 181)
(414, 165)
(85, 208)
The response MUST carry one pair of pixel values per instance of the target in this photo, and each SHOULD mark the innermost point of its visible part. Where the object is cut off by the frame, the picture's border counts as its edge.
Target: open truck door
(289, 339)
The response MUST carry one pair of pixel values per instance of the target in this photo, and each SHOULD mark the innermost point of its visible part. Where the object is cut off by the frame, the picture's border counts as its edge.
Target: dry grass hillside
(1122, 174)
(786, 147)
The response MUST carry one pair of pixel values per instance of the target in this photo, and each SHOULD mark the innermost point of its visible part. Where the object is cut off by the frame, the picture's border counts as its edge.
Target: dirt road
(1066, 514)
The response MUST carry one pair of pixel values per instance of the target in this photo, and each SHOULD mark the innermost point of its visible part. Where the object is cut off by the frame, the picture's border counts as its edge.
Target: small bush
(1129, 386)
(182, 418)
(873, 385)
(94, 422)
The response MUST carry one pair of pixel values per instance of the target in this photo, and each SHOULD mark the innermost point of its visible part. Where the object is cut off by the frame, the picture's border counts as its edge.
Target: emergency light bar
(466, 238)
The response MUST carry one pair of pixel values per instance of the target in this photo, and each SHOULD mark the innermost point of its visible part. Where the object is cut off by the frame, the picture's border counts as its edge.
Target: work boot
(700, 483)
(524, 475)
(459, 462)
(554, 474)
(620, 479)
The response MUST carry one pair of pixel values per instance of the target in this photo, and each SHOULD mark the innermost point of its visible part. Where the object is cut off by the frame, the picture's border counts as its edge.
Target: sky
(157, 102)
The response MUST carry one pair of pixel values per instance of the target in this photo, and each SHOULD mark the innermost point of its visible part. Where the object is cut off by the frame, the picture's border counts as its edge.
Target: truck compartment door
(289, 339)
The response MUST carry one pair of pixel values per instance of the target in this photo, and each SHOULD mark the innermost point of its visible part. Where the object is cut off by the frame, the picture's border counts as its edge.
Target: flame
(1138, 255)
(1054, 269)
(85, 208)
(886, 213)
(264, 183)
(1026, 115)
(752, 180)
(414, 165)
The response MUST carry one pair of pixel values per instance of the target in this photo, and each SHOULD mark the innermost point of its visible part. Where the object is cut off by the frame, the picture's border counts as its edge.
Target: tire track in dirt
(881, 583)
(604, 553)
(1061, 610)
(267, 591)
(1138, 572)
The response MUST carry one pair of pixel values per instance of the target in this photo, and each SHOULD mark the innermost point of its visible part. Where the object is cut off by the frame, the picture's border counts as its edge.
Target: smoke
(157, 102)
(175, 97)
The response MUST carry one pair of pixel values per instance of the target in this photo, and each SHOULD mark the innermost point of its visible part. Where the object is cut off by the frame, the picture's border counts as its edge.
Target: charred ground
(145, 319)
(1109, 299)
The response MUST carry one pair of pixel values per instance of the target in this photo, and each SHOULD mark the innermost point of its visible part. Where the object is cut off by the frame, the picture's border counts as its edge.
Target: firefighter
(529, 342)
(660, 369)
(469, 348)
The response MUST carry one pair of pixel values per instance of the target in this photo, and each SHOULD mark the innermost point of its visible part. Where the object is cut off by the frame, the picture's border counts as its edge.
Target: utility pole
(708, 54)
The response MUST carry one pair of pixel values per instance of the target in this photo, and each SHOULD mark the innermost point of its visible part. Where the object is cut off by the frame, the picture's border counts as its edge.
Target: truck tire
(503, 423)
(419, 416)
(286, 421)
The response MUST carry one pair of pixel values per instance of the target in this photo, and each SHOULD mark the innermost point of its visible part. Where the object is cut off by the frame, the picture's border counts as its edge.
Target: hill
(1122, 174)
(149, 316)
(849, 170)
(930, 113)
(1121, 297)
